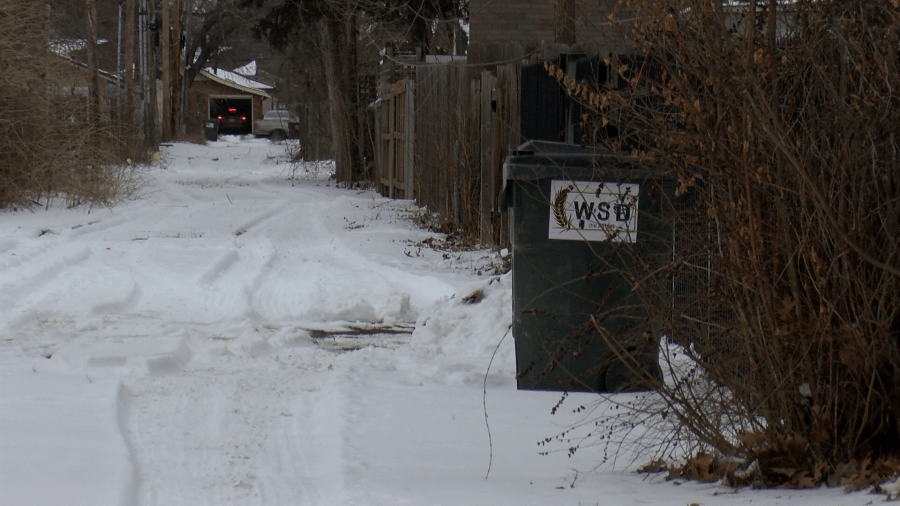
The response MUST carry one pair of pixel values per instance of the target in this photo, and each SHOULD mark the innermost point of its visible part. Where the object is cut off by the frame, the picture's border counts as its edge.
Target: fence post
(392, 144)
(445, 147)
(488, 186)
(410, 139)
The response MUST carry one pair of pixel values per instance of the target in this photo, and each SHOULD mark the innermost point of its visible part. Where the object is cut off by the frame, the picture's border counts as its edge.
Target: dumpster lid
(550, 148)
(540, 159)
(537, 159)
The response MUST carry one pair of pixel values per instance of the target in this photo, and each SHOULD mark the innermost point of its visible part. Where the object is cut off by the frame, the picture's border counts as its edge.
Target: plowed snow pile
(245, 332)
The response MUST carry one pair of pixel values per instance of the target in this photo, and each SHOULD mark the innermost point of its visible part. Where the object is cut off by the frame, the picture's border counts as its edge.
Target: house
(68, 77)
(501, 30)
(216, 91)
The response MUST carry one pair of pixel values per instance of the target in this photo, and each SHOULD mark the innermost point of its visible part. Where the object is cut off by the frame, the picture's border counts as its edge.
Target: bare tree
(333, 26)
(212, 23)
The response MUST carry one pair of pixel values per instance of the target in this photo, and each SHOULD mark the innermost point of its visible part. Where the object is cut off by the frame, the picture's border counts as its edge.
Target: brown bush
(49, 147)
(781, 119)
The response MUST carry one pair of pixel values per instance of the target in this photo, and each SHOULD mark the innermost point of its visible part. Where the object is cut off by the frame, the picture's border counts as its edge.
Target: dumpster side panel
(558, 285)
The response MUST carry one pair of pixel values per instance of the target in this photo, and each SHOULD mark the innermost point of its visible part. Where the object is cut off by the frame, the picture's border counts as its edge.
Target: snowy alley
(246, 333)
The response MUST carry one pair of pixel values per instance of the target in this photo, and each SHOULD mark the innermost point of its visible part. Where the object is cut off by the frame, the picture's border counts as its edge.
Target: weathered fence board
(464, 124)
(394, 134)
(489, 189)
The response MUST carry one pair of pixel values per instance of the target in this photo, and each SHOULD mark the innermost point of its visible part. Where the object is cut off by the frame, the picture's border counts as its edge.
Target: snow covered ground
(247, 333)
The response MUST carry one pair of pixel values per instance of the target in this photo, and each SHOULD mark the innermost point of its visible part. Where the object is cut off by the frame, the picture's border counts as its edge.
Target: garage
(235, 115)
(234, 100)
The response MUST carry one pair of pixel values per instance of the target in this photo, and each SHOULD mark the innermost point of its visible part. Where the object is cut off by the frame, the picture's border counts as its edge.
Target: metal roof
(237, 81)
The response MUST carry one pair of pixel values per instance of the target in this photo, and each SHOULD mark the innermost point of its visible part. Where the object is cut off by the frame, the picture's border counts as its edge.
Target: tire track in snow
(150, 406)
(23, 257)
(39, 269)
(257, 281)
(121, 304)
(232, 280)
(123, 409)
(276, 292)
(318, 447)
(235, 445)
(219, 267)
(101, 225)
(248, 225)
(339, 283)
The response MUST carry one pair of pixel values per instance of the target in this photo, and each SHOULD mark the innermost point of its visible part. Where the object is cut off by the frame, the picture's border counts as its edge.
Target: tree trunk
(93, 106)
(128, 112)
(165, 48)
(186, 60)
(331, 31)
(153, 116)
(352, 94)
(175, 71)
(339, 54)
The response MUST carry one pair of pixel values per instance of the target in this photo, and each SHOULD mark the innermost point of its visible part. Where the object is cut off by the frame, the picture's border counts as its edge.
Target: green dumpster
(585, 226)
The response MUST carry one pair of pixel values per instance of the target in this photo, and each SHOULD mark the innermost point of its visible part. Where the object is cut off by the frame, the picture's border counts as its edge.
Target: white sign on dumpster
(593, 211)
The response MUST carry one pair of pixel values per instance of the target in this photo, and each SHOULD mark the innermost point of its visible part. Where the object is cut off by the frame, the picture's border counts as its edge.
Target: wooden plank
(449, 105)
(513, 140)
(410, 145)
(455, 107)
(392, 184)
(465, 118)
(399, 151)
(379, 145)
(392, 132)
(424, 81)
(501, 146)
(488, 82)
(392, 126)
(515, 97)
(475, 170)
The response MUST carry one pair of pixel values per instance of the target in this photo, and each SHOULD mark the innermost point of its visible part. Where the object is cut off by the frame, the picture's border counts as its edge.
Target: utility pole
(149, 29)
(119, 65)
(165, 47)
(187, 62)
(175, 71)
(142, 61)
(90, 17)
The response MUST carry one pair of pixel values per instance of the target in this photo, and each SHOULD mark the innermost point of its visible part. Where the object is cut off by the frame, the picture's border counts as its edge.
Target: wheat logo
(560, 200)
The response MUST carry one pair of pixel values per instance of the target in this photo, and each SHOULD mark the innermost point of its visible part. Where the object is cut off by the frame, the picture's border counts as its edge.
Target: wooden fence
(443, 136)
(442, 141)
(394, 140)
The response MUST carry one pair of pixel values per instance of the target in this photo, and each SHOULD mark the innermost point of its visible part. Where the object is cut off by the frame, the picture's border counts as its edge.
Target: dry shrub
(781, 119)
(49, 146)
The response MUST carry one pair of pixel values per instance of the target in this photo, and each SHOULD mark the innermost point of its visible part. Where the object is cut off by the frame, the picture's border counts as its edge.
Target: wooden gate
(394, 152)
